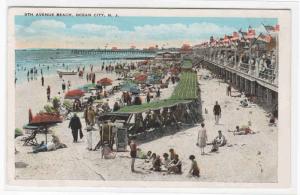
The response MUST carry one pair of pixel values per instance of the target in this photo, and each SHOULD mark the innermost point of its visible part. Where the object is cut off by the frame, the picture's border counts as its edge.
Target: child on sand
(194, 170)
(157, 163)
(166, 160)
(107, 153)
(175, 165)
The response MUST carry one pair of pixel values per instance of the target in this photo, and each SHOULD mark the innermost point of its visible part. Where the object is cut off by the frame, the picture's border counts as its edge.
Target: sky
(125, 31)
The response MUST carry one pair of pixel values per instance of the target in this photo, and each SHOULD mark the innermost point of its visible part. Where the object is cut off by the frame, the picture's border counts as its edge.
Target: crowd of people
(170, 163)
(263, 64)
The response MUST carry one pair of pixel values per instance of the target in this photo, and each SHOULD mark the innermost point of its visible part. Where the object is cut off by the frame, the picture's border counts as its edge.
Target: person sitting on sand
(107, 153)
(58, 144)
(105, 107)
(148, 156)
(194, 170)
(215, 146)
(244, 130)
(116, 107)
(140, 154)
(153, 157)
(166, 160)
(42, 147)
(220, 139)
(244, 102)
(175, 165)
(157, 164)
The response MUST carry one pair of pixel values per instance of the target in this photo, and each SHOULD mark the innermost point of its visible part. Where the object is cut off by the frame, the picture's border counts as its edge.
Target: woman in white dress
(202, 138)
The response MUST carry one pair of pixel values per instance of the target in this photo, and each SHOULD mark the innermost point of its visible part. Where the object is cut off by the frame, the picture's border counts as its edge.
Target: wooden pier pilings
(265, 91)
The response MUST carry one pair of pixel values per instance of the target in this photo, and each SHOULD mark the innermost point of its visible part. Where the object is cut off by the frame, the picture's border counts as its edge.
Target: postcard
(129, 97)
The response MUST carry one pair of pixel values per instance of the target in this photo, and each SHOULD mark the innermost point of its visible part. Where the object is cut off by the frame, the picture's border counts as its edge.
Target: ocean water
(55, 59)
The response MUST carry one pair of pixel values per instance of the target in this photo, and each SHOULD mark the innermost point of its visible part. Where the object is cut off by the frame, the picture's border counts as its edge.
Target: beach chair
(31, 139)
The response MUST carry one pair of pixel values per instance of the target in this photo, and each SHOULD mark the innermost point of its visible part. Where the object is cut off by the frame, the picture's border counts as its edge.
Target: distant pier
(126, 54)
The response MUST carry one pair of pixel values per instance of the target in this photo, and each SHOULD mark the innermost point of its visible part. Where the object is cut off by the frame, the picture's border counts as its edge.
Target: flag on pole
(242, 33)
(265, 38)
(250, 34)
(270, 28)
(235, 36)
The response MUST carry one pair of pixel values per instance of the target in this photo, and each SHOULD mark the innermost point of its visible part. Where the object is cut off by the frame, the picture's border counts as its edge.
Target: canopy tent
(152, 106)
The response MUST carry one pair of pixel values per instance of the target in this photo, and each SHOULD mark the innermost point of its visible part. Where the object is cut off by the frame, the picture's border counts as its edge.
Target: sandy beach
(246, 158)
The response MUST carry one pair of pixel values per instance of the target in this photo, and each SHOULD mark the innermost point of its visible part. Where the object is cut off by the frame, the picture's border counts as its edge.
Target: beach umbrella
(46, 119)
(74, 94)
(127, 85)
(86, 87)
(105, 81)
(134, 90)
(141, 78)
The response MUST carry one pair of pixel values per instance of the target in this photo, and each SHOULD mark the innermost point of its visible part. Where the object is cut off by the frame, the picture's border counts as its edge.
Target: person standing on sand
(217, 112)
(93, 78)
(85, 114)
(202, 138)
(228, 90)
(69, 85)
(91, 116)
(148, 97)
(133, 151)
(48, 93)
(89, 137)
(75, 125)
(63, 86)
(42, 81)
